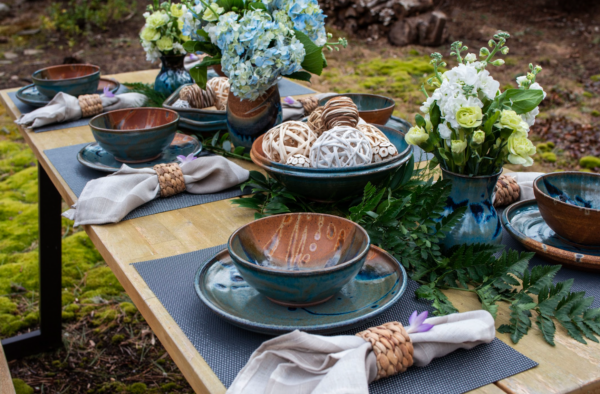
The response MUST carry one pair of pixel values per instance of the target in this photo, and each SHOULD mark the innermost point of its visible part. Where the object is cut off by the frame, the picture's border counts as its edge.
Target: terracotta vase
(247, 120)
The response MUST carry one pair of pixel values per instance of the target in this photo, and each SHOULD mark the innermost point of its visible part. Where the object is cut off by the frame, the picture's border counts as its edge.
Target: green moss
(588, 94)
(21, 387)
(549, 157)
(550, 144)
(117, 338)
(509, 61)
(413, 52)
(595, 113)
(595, 78)
(105, 316)
(589, 162)
(111, 388)
(7, 306)
(542, 147)
(137, 388)
(128, 308)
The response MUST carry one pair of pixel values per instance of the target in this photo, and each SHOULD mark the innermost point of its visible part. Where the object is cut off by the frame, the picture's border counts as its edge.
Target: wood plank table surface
(569, 367)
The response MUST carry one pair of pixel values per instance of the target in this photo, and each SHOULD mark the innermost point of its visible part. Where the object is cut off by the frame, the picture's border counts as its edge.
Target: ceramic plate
(525, 223)
(379, 284)
(30, 95)
(93, 156)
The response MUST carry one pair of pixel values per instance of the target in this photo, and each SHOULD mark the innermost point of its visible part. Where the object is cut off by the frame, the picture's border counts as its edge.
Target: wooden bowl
(73, 79)
(569, 202)
(372, 108)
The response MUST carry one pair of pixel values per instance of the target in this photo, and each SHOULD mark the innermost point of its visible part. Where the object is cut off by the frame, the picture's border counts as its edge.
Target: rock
(4, 10)
(432, 32)
(32, 52)
(404, 32)
(350, 13)
(412, 7)
(3, 39)
(10, 55)
(426, 29)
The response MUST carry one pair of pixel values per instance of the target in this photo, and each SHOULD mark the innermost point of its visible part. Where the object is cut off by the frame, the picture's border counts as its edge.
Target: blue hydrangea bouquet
(257, 42)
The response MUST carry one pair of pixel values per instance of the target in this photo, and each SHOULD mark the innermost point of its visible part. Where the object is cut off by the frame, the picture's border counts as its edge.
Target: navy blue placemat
(289, 88)
(77, 175)
(25, 109)
(226, 348)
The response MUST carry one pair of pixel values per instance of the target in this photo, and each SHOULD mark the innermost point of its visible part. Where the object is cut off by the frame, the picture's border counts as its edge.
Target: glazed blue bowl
(73, 79)
(372, 108)
(135, 135)
(299, 259)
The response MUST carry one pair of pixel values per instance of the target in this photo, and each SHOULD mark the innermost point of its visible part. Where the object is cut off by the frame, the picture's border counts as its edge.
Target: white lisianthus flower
(458, 146)
(522, 128)
(157, 19)
(416, 136)
(209, 13)
(479, 137)
(445, 131)
(509, 119)
(178, 10)
(149, 34)
(520, 149)
(164, 44)
(471, 57)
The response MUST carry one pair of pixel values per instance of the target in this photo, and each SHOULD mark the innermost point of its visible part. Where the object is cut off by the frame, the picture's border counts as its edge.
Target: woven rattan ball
(288, 139)
(384, 151)
(220, 89)
(373, 134)
(309, 104)
(342, 146)
(507, 191)
(315, 121)
(340, 111)
(298, 161)
(196, 96)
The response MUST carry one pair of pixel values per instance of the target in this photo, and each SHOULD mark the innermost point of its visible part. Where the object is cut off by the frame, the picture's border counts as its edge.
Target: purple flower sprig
(289, 100)
(186, 159)
(416, 321)
(107, 92)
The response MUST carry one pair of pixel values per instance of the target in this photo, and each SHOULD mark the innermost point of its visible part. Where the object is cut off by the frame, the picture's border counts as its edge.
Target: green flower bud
(538, 69)
(492, 43)
(498, 62)
(458, 146)
(504, 50)
(530, 76)
(469, 117)
(478, 137)
(484, 52)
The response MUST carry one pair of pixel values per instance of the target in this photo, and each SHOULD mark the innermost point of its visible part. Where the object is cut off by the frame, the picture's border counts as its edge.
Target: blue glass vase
(480, 223)
(172, 75)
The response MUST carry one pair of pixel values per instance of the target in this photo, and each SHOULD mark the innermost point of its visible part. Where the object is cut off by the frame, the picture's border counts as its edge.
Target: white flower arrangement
(469, 125)
(162, 34)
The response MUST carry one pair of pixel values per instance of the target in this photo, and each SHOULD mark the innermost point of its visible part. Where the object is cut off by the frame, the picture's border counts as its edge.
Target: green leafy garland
(155, 99)
(405, 217)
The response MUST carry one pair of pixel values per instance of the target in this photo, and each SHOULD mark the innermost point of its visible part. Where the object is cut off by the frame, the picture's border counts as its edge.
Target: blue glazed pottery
(197, 121)
(372, 108)
(480, 223)
(247, 120)
(172, 75)
(135, 135)
(73, 79)
(377, 286)
(299, 259)
(96, 158)
(570, 203)
(524, 222)
(31, 96)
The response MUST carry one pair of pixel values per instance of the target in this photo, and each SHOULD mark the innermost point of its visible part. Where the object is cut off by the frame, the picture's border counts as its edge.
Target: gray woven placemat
(77, 175)
(289, 88)
(227, 348)
(25, 109)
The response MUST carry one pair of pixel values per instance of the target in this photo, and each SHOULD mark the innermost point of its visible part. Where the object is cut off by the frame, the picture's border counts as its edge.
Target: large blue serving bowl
(135, 135)
(299, 259)
(72, 79)
(333, 184)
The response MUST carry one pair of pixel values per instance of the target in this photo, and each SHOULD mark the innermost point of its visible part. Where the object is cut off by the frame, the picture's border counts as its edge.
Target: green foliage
(589, 162)
(155, 99)
(76, 17)
(21, 387)
(137, 388)
(221, 145)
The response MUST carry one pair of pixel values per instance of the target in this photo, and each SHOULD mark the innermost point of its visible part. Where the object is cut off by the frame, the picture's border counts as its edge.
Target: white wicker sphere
(288, 139)
(298, 161)
(220, 88)
(342, 146)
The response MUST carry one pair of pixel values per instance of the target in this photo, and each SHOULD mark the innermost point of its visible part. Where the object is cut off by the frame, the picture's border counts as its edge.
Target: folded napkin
(65, 107)
(525, 182)
(301, 363)
(109, 199)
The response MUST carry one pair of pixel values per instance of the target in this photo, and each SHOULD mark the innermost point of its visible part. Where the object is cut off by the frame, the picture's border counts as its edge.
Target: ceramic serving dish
(96, 158)
(570, 204)
(525, 224)
(377, 286)
(30, 95)
(197, 121)
(73, 79)
(135, 135)
(372, 108)
(299, 259)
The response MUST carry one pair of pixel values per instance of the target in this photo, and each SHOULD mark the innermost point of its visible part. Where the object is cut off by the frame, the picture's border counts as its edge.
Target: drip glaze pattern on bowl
(72, 79)
(299, 259)
(569, 202)
(135, 135)
(372, 108)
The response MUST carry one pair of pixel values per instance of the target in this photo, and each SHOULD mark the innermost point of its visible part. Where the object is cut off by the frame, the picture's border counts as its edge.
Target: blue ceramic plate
(525, 224)
(379, 284)
(30, 95)
(93, 156)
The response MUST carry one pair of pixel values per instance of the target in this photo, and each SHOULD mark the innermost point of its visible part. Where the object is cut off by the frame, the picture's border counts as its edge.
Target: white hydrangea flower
(445, 131)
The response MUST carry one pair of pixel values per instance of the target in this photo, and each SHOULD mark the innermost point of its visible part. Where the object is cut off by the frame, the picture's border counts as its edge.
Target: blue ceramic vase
(247, 120)
(172, 75)
(480, 223)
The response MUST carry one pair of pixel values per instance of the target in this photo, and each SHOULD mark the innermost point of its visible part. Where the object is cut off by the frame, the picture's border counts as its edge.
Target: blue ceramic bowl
(569, 202)
(372, 108)
(299, 259)
(135, 135)
(73, 79)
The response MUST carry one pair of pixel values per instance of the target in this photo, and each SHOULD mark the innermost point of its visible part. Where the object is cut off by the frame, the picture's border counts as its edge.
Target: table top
(568, 367)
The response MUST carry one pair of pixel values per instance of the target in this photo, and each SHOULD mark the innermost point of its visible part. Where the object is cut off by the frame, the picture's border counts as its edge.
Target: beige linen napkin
(301, 363)
(109, 199)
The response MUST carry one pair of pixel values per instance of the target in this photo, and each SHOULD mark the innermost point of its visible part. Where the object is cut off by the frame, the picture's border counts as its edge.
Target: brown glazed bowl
(372, 108)
(569, 203)
(72, 79)
(135, 135)
(299, 259)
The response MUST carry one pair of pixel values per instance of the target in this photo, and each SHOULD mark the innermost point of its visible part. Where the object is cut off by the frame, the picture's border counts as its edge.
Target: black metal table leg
(49, 335)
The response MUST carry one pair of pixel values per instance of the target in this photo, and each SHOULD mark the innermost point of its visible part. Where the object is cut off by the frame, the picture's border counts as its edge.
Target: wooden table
(568, 367)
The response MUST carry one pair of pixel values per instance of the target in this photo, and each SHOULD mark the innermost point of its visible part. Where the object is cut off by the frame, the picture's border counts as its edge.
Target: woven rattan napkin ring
(91, 104)
(170, 179)
(507, 191)
(392, 347)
